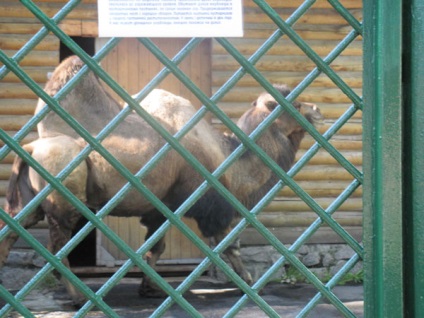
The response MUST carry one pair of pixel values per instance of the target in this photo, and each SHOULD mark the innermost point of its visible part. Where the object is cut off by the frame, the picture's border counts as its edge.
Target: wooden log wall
(321, 27)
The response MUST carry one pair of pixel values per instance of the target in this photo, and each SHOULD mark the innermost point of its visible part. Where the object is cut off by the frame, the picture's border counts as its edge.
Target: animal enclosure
(313, 46)
(209, 65)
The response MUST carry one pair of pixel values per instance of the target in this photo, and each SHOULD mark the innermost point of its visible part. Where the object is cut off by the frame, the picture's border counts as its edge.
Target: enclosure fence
(385, 264)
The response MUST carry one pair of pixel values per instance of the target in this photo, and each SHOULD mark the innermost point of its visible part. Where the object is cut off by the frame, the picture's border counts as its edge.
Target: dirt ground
(211, 299)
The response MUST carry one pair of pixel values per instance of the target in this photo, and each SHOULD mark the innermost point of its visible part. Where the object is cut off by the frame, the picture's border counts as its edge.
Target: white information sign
(170, 18)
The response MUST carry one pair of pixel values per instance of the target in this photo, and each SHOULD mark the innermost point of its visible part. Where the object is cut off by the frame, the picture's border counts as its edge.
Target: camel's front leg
(148, 288)
(234, 256)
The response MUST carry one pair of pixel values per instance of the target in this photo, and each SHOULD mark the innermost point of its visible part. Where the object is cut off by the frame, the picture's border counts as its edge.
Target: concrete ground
(211, 299)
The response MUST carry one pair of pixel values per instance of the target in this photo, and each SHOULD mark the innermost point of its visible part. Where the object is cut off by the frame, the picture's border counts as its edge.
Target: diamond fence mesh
(322, 142)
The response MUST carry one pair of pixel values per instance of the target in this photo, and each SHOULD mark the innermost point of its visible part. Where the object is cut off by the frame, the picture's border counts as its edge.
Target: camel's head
(311, 112)
(63, 73)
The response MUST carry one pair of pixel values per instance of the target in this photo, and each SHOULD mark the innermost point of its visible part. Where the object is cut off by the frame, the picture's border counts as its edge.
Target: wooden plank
(7, 26)
(328, 110)
(5, 170)
(305, 32)
(16, 90)
(324, 158)
(288, 63)
(297, 205)
(324, 172)
(37, 73)
(349, 4)
(289, 235)
(10, 122)
(305, 218)
(30, 137)
(16, 41)
(287, 47)
(311, 95)
(353, 129)
(321, 188)
(133, 66)
(290, 78)
(18, 10)
(338, 142)
(89, 29)
(312, 16)
(71, 27)
(17, 106)
(161, 268)
(38, 58)
(132, 61)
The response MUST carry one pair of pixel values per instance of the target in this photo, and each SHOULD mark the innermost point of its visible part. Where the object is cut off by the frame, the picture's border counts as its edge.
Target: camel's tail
(19, 191)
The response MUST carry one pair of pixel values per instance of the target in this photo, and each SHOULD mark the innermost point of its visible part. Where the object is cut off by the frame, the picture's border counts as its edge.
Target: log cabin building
(209, 66)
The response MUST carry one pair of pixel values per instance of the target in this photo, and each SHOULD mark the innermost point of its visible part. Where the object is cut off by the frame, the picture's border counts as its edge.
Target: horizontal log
(321, 188)
(5, 171)
(27, 139)
(351, 129)
(292, 79)
(37, 73)
(38, 58)
(324, 172)
(16, 90)
(324, 158)
(348, 4)
(17, 106)
(80, 28)
(9, 158)
(284, 219)
(16, 41)
(287, 47)
(296, 205)
(287, 63)
(340, 143)
(65, 1)
(19, 26)
(329, 111)
(3, 187)
(347, 133)
(288, 235)
(11, 122)
(90, 28)
(306, 32)
(311, 95)
(18, 10)
(313, 16)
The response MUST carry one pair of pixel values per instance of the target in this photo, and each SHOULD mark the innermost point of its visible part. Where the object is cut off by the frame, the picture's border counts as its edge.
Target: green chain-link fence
(247, 66)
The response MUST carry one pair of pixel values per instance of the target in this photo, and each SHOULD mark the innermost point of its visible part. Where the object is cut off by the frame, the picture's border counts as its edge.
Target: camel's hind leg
(152, 221)
(234, 256)
(60, 227)
(10, 239)
(19, 194)
(54, 154)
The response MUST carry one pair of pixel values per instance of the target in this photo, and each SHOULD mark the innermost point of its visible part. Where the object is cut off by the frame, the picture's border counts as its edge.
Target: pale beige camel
(133, 143)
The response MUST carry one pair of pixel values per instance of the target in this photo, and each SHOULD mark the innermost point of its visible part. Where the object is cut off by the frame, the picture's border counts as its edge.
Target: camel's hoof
(248, 278)
(148, 291)
(78, 302)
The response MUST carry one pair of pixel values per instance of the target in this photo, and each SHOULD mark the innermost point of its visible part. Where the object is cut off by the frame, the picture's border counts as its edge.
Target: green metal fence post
(382, 154)
(413, 45)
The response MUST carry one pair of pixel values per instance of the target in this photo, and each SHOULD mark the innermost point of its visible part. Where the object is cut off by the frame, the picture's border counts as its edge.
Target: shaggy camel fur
(134, 143)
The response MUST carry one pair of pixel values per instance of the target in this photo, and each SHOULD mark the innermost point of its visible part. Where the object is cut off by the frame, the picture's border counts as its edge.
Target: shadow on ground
(209, 298)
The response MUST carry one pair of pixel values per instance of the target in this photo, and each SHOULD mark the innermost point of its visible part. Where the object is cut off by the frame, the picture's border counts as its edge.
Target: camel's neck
(251, 178)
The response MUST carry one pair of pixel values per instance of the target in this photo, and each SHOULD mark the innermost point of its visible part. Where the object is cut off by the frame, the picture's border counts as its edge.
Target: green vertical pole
(383, 235)
(413, 82)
